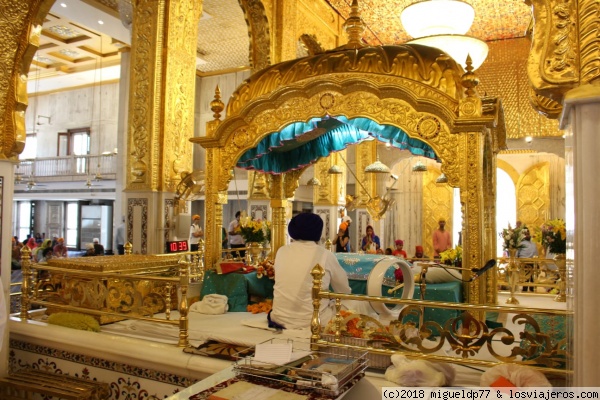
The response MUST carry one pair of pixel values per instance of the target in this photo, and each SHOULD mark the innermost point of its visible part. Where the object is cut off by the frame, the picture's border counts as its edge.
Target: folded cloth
(211, 304)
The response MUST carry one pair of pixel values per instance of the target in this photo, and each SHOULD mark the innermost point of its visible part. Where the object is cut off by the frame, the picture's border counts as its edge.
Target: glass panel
(72, 221)
(24, 219)
(506, 206)
(63, 145)
(81, 146)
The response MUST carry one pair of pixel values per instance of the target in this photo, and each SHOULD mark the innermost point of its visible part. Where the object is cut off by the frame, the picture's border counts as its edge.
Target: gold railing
(532, 273)
(466, 335)
(113, 296)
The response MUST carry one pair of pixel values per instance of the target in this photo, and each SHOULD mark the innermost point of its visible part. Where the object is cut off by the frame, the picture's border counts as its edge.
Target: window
(75, 142)
(24, 220)
(72, 225)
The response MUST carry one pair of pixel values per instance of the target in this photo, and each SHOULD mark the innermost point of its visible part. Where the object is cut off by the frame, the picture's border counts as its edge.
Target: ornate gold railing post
(25, 287)
(561, 264)
(128, 248)
(512, 271)
(315, 325)
(183, 304)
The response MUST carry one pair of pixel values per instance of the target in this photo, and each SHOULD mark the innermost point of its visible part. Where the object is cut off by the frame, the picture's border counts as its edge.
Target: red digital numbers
(174, 247)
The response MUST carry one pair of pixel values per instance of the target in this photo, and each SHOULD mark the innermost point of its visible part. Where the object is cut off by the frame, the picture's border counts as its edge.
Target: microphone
(477, 272)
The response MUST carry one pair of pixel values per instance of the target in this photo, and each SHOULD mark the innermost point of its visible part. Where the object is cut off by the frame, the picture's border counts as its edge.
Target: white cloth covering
(292, 301)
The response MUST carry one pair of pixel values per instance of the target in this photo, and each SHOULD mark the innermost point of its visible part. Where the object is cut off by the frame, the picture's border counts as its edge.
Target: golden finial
(354, 27)
(217, 106)
(469, 80)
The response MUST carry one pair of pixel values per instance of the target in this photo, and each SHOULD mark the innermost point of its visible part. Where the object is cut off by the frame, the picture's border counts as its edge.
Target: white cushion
(441, 275)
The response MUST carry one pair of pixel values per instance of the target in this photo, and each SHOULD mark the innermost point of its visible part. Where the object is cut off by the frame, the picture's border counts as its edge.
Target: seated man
(292, 297)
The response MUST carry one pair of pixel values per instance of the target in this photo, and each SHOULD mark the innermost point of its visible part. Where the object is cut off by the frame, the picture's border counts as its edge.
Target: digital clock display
(177, 246)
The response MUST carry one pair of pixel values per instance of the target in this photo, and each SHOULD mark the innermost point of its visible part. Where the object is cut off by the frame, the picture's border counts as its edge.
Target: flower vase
(255, 250)
(512, 271)
(561, 263)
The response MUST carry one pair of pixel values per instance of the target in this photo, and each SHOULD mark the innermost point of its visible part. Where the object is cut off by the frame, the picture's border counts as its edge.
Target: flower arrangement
(252, 230)
(358, 326)
(512, 238)
(553, 236)
(451, 256)
(265, 268)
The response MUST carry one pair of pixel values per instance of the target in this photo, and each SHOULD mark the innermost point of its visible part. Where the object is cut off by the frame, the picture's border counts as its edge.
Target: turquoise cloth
(238, 288)
(302, 143)
(359, 266)
(447, 292)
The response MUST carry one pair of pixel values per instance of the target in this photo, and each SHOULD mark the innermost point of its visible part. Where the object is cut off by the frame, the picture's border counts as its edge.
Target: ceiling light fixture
(335, 170)
(442, 178)
(313, 182)
(377, 167)
(443, 24)
(419, 167)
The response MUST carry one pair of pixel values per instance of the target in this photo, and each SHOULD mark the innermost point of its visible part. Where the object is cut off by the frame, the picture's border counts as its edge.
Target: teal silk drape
(303, 143)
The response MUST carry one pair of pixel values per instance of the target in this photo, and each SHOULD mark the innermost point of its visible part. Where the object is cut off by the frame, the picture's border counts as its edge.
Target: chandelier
(443, 24)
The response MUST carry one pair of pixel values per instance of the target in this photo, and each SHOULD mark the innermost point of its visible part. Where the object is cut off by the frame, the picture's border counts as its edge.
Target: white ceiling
(76, 49)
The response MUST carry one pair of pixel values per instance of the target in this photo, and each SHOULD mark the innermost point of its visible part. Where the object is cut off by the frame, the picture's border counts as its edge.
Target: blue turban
(306, 226)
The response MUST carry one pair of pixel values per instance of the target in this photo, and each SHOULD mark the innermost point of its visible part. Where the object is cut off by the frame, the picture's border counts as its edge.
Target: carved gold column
(470, 152)
(216, 196)
(489, 215)
(278, 206)
(285, 34)
(161, 110)
(366, 154)
(20, 24)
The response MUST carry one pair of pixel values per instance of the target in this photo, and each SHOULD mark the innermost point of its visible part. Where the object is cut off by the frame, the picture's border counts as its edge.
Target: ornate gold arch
(403, 86)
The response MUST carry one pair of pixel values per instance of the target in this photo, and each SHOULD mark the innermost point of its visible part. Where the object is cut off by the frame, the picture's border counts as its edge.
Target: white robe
(292, 301)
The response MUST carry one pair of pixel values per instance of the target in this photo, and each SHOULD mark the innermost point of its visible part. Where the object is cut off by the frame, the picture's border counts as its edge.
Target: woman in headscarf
(38, 254)
(31, 243)
(292, 297)
(60, 250)
(370, 242)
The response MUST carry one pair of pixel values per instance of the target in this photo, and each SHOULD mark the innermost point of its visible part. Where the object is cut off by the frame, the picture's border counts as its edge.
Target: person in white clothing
(236, 241)
(195, 233)
(292, 301)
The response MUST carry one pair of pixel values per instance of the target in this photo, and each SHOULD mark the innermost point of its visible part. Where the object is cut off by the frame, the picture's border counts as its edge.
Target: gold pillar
(284, 36)
(472, 205)
(24, 18)
(489, 217)
(161, 110)
(163, 77)
(278, 206)
(216, 196)
(365, 154)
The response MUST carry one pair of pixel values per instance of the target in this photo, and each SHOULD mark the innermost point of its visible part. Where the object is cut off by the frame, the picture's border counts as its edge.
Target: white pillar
(581, 119)
(331, 222)
(6, 222)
